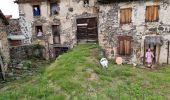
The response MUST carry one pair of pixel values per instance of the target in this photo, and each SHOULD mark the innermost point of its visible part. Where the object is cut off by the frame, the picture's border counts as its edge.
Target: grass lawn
(77, 75)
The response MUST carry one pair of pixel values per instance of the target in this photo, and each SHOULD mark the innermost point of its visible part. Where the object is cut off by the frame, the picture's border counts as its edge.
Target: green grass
(76, 75)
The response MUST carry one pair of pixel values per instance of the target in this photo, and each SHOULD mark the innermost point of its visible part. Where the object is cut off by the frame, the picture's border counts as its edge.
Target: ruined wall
(18, 27)
(110, 28)
(4, 46)
(14, 28)
(18, 54)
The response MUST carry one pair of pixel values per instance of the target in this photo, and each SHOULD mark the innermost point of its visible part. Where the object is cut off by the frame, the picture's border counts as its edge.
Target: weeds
(68, 79)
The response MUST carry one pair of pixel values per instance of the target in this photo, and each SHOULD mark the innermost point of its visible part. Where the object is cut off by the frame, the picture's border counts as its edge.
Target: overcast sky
(8, 7)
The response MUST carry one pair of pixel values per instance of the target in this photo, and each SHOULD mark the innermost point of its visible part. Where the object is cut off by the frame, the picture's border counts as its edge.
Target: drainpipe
(168, 52)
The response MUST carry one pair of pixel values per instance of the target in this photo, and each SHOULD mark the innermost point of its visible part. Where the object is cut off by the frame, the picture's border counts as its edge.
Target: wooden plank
(128, 47)
(158, 57)
(121, 47)
(129, 15)
(2, 68)
(156, 13)
(150, 14)
(146, 15)
(122, 16)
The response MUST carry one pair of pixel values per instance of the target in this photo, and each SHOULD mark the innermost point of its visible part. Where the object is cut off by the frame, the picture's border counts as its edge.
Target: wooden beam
(2, 68)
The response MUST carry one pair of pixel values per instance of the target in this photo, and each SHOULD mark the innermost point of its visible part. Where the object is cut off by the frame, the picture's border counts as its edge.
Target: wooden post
(158, 58)
(2, 69)
(144, 53)
(168, 52)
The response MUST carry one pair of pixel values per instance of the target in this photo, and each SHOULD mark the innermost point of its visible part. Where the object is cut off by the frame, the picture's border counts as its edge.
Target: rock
(18, 78)
(18, 67)
(134, 64)
(25, 68)
(11, 74)
(89, 70)
(30, 74)
(93, 76)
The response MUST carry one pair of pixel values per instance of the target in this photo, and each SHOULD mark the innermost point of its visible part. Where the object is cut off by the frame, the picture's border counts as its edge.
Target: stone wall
(20, 27)
(66, 19)
(4, 46)
(18, 54)
(14, 28)
(110, 28)
(26, 29)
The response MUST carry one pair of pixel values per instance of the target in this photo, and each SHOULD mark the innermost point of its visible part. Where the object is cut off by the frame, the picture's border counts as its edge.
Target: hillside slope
(77, 75)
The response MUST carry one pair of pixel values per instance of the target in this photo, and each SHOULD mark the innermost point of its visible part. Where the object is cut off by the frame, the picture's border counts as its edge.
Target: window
(39, 31)
(124, 48)
(126, 16)
(54, 8)
(152, 13)
(36, 10)
(56, 34)
(86, 3)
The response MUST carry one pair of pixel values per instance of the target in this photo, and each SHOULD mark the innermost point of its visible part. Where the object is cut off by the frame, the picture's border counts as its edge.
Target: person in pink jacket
(149, 57)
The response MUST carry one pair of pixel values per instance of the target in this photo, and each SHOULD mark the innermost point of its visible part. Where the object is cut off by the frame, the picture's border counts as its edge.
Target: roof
(8, 16)
(33, 1)
(153, 40)
(111, 1)
(4, 20)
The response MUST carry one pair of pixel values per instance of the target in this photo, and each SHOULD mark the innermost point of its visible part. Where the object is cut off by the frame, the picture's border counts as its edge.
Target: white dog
(104, 62)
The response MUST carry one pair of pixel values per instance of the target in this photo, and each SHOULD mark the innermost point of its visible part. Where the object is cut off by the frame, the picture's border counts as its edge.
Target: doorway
(60, 50)
(56, 34)
(87, 30)
(154, 43)
(153, 50)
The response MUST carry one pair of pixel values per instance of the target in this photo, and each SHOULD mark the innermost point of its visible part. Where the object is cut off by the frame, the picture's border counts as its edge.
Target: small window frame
(39, 10)
(154, 17)
(123, 38)
(36, 30)
(123, 16)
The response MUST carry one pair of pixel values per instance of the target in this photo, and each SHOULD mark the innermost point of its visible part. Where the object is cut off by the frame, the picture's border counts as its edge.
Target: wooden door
(87, 29)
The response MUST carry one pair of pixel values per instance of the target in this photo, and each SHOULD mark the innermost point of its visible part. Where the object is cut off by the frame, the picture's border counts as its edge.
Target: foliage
(27, 63)
(72, 77)
(37, 46)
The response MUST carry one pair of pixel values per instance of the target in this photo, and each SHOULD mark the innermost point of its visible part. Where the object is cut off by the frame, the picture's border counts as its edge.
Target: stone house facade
(4, 46)
(123, 28)
(128, 29)
(54, 22)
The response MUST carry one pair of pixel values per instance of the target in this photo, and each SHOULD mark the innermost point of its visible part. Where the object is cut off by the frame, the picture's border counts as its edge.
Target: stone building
(15, 35)
(123, 28)
(19, 31)
(127, 28)
(4, 47)
(55, 23)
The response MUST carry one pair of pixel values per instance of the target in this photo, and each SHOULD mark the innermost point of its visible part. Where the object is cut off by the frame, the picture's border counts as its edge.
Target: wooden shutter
(128, 46)
(124, 45)
(121, 47)
(129, 15)
(156, 13)
(125, 16)
(152, 13)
